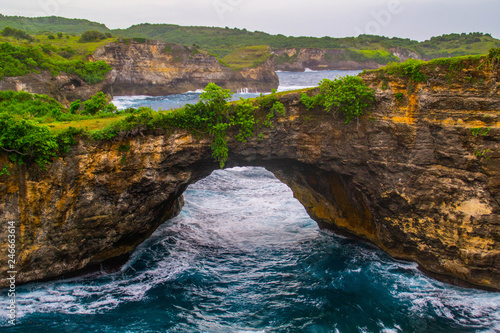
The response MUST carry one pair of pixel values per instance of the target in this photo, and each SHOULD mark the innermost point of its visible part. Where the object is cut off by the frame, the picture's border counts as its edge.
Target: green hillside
(222, 41)
(38, 25)
(21, 53)
(233, 45)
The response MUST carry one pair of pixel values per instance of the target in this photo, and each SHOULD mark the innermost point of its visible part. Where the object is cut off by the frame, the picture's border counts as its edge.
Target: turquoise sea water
(243, 256)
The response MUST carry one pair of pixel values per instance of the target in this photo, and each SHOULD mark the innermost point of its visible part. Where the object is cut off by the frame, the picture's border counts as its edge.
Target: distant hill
(222, 41)
(37, 25)
(227, 43)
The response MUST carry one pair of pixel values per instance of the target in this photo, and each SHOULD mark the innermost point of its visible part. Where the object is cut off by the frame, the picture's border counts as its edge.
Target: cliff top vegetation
(223, 41)
(22, 53)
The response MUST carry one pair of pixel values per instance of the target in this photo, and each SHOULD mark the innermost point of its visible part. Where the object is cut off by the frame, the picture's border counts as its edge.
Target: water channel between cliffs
(244, 256)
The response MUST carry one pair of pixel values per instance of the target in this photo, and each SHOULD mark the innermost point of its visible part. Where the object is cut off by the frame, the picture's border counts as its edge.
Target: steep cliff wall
(412, 177)
(162, 69)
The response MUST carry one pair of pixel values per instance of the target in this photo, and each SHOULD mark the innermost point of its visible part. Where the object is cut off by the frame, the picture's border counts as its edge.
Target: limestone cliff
(158, 68)
(300, 59)
(410, 177)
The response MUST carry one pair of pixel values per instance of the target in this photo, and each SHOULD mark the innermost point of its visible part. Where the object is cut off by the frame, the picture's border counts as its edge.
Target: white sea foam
(247, 91)
(288, 88)
(123, 102)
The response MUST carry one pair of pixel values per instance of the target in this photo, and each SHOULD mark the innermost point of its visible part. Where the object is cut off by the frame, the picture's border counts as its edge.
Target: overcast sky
(415, 19)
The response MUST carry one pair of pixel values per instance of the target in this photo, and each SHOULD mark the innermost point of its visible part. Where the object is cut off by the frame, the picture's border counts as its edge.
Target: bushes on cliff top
(29, 105)
(25, 140)
(23, 136)
(212, 116)
(348, 96)
(408, 69)
(21, 60)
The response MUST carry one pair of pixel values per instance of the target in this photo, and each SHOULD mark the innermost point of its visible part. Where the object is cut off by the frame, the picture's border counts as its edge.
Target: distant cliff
(158, 68)
(300, 59)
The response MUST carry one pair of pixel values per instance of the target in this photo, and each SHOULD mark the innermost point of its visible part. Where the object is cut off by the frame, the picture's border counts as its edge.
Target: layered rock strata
(412, 177)
(159, 69)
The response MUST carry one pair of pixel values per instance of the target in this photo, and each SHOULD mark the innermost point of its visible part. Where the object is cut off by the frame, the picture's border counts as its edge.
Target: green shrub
(409, 69)
(21, 60)
(19, 34)
(480, 131)
(75, 106)
(273, 104)
(98, 103)
(28, 105)
(92, 36)
(494, 55)
(348, 95)
(26, 140)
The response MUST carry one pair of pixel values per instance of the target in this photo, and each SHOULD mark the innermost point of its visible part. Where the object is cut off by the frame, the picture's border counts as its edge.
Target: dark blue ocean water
(243, 256)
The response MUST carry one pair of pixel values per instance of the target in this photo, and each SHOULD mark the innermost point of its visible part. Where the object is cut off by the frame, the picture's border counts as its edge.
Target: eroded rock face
(410, 177)
(64, 88)
(159, 69)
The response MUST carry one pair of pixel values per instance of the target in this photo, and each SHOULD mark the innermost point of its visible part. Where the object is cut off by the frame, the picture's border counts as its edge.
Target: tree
(91, 36)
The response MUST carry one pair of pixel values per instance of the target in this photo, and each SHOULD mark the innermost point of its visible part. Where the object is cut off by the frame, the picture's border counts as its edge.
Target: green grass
(247, 57)
(91, 124)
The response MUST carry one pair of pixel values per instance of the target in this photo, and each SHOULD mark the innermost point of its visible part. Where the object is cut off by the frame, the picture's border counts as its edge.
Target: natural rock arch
(404, 177)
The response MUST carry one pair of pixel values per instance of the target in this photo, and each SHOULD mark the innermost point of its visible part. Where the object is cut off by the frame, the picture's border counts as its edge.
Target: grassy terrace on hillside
(69, 46)
(250, 56)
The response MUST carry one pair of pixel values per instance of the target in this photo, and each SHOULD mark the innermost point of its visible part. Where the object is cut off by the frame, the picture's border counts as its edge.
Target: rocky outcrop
(158, 69)
(64, 88)
(405, 54)
(410, 177)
